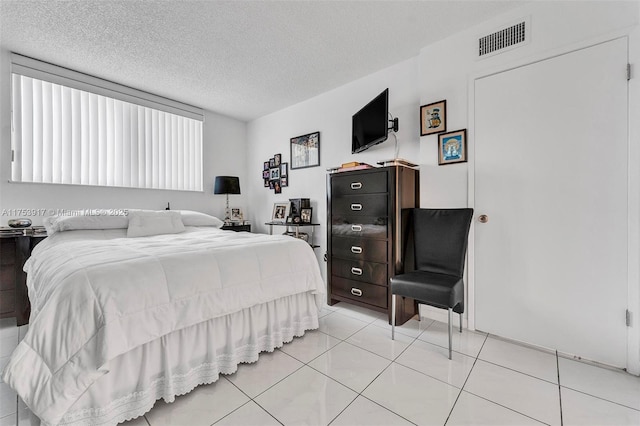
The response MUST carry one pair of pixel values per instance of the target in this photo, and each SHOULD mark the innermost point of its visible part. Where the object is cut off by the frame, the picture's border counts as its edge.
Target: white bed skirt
(175, 364)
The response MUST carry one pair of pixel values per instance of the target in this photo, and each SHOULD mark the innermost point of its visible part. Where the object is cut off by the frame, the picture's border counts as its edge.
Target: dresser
(15, 249)
(364, 236)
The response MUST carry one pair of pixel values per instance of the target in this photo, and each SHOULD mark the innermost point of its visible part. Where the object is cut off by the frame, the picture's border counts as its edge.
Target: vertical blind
(69, 136)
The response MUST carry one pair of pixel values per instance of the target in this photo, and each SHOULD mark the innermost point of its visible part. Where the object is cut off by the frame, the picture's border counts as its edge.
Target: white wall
(556, 27)
(330, 114)
(445, 70)
(224, 153)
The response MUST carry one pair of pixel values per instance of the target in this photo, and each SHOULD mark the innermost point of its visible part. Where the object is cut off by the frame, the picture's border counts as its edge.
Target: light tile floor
(350, 372)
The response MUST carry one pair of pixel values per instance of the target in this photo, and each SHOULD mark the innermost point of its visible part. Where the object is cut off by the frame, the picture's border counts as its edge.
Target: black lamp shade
(226, 185)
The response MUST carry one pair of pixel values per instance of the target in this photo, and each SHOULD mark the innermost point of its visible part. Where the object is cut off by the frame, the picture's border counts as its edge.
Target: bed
(120, 322)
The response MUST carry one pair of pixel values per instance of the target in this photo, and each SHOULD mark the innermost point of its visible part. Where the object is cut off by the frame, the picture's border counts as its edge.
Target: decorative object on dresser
(452, 147)
(15, 249)
(364, 230)
(433, 118)
(19, 223)
(305, 151)
(295, 210)
(236, 215)
(275, 173)
(227, 185)
(280, 212)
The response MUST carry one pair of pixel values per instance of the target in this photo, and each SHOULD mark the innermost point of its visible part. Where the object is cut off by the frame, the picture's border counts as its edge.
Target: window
(70, 128)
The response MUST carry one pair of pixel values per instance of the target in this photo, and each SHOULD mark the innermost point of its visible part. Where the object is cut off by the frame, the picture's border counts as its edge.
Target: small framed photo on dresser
(305, 215)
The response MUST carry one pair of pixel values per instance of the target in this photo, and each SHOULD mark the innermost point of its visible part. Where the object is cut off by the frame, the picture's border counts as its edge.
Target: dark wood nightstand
(237, 228)
(15, 248)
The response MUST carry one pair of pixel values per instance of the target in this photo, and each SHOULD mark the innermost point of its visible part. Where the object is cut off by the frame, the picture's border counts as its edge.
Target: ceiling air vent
(498, 41)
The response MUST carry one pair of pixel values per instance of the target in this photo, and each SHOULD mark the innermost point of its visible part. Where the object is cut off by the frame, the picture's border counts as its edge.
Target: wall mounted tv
(370, 124)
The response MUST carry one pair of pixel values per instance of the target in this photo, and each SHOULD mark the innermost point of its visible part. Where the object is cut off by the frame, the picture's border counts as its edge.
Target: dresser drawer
(360, 183)
(359, 249)
(7, 277)
(360, 270)
(365, 227)
(7, 251)
(374, 205)
(7, 301)
(367, 293)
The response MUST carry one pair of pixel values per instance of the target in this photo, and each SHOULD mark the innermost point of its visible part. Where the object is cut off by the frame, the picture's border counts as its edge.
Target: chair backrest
(440, 239)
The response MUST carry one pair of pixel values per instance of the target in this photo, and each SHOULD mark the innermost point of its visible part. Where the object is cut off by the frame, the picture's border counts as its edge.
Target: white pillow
(146, 223)
(191, 218)
(87, 219)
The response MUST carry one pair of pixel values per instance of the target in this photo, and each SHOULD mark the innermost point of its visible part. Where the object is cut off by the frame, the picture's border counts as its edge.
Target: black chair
(439, 238)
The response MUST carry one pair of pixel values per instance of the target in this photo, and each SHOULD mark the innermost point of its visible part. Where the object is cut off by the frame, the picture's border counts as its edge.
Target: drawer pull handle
(356, 185)
(356, 249)
(356, 207)
(356, 271)
(356, 228)
(356, 292)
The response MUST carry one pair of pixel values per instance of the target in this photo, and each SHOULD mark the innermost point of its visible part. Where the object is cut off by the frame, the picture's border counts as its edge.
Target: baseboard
(429, 312)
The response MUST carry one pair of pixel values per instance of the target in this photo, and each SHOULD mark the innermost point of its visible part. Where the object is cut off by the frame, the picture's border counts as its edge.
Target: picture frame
(284, 169)
(305, 151)
(277, 187)
(280, 212)
(452, 147)
(266, 165)
(433, 118)
(265, 174)
(284, 181)
(266, 183)
(272, 163)
(236, 215)
(274, 173)
(277, 160)
(306, 214)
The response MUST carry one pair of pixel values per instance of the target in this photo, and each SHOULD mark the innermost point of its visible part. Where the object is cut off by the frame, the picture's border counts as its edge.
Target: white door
(551, 176)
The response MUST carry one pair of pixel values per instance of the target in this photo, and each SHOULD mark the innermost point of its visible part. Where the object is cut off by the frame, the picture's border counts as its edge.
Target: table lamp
(227, 185)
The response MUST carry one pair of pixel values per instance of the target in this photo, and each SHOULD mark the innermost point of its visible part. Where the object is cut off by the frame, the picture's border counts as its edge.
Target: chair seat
(440, 290)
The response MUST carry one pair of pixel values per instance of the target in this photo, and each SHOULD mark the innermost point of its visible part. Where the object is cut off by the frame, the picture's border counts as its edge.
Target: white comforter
(97, 294)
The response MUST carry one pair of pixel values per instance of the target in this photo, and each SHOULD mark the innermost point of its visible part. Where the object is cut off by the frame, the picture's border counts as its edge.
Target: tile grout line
(489, 400)
(465, 380)
(559, 389)
(391, 362)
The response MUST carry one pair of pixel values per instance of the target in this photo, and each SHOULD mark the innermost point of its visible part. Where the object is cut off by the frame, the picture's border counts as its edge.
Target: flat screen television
(370, 124)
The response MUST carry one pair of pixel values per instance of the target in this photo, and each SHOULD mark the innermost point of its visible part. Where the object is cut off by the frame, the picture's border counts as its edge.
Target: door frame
(633, 175)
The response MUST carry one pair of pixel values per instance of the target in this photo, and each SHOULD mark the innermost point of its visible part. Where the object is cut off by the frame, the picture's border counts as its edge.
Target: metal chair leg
(393, 316)
(450, 330)
(460, 322)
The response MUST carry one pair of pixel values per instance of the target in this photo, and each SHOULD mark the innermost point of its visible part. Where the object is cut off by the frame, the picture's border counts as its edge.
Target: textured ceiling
(243, 59)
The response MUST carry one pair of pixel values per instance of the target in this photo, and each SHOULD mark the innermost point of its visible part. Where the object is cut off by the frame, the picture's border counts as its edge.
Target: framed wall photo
(274, 173)
(433, 118)
(452, 147)
(284, 182)
(284, 169)
(280, 212)
(266, 165)
(305, 151)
